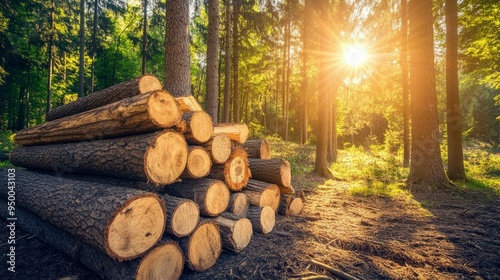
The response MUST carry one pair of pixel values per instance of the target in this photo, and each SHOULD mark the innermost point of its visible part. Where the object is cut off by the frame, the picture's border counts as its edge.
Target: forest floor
(425, 234)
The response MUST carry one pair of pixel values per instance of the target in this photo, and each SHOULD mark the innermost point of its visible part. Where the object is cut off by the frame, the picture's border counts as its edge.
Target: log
(123, 223)
(235, 172)
(276, 171)
(188, 103)
(235, 232)
(106, 96)
(198, 163)
(239, 204)
(203, 247)
(158, 157)
(262, 194)
(138, 114)
(164, 261)
(183, 216)
(212, 196)
(236, 131)
(290, 206)
(262, 219)
(257, 148)
(219, 147)
(199, 127)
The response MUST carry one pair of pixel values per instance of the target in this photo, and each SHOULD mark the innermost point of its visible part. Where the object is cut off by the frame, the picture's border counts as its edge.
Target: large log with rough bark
(235, 172)
(290, 205)
(262, 219)
(257, 148)
(188, 103)
(239, 204)
(123, 223)
(106, 96)
(276, 171)
(235, 232)
(236, 131)
(198, 163)
(212, 196)
(197, 128)
(219, 147)
(262, 194)
(138, 114)
(164, 261)
(158, 157)
(183, 215)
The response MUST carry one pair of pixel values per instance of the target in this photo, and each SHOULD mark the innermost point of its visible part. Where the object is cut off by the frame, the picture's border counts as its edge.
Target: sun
(355, 55)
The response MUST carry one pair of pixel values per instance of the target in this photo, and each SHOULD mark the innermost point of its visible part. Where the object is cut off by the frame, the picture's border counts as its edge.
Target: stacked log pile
(136, 184)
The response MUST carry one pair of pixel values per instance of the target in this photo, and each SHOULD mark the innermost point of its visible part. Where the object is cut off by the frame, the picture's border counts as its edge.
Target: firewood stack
(121, 177)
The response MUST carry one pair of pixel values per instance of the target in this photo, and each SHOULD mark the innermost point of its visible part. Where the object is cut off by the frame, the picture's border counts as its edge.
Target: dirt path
(432, 236)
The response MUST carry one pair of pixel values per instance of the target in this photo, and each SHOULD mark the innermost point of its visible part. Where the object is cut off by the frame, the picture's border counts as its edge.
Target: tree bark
(235, 58)
(236, 131)
(304, 99)
(239, 204)
(144, 36)
(235, 172)
(262, 194)
(199, 127)
(188, 104)
(183, 215)
(257, 148)
(50, 66)
(276, 171)
(106, 96)
(227, 65)
(405, 83)
(198, 163)
(81, 64)
(213, 60)
(123, 223)
(158, 157)
(219, 148)
(290, 206)
(262, 219)
(235, 232)
(141, 113)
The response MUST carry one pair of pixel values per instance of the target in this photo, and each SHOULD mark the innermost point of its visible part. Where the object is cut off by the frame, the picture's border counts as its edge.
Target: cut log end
(205, 247)
(242, 233)
(201, 127)
(148, 83)
(166, 261)
(270, 197)
(236, 233)
(185, 218)
(296, 206)
(198, 163)
(166, 158)
(236, 170)
(265, 150)
(163, 109)
(267, 219)
(239, 204)
(286, 173)
(220, 148)
(130, 233)
(217, 198)
(236, 131)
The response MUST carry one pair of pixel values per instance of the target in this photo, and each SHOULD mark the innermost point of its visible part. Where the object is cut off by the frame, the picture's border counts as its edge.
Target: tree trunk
(454, 119)
(236, 92)
(227, 65)
(199, 127)
(236, 131)
(219, 148)
(158, 157)
(257, 149)
(165, 259)
(304, 99)
(81, 66)
(212, 196)
(98, 214)
(235, 172)
(106, 96)
(141, 113)
(183, 215)
(262, 194)
(405, 83)
(213, 60)
(198, 163)
(51, 51)
(236, 232)
(94, 46)
(177, 61)
(290, 206)
(144, 36)
(262, 219)
(188, 104)
(426, 165)
(276, 171)
(239, 204)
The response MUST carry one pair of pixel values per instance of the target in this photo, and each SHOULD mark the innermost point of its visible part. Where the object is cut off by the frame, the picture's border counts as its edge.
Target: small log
(236, 232)
(276, 171)
(164, 261)
(188, 103)
(262, 194)
(290, 205)
(139, 85)
(198, 163)
(219, 147)
(257, 148)
(262, 219)
(236, 131)
(212, 196)
(199, 127)
(183, 216)
(203, 247)
(239, 204)
(158, 157)
(235, 172)
(138, 114)
(123, 223)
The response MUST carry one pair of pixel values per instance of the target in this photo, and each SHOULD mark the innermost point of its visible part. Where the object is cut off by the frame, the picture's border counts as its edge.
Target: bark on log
(219, 147)
(123, 223)
(276, 171)
(262, 219)
(198, 163)
(262, 194)
(239, 204)
(235, 232)
(138, 114)
(199, 127)
(257, 148)
(106, 96)
(183, 215)
(236, 131)
(188, 103)
(164, 261)
(235, 172)
(212, 196)
(290, 205)
(203, 247)
(157, 157)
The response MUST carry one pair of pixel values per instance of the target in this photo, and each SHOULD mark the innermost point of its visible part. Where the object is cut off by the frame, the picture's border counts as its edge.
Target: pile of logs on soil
(136, 184)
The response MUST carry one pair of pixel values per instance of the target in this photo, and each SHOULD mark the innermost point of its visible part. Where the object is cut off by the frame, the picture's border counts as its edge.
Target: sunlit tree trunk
(227, 65)
(51, 50)
(236, 38)
(305, 82)
(81, 67)
(94, 46)
(212, 60)
(404, 83)
(144, 36)
(426, 165)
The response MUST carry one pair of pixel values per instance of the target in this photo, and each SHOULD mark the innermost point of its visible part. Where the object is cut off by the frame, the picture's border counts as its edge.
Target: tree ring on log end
(135, 228)
(185, 218)
(205, 246)
(265, 150)
(242, 233)
(221, 148)
(270, 197)
(286, 174)
(199, 162)
(217, 198)
(237, 170)
(241, 204)
(148, 83)
(163, 262)
(296, 206)
(202, 126)
(267, 218)
(163, 109)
